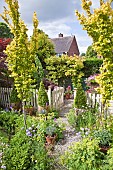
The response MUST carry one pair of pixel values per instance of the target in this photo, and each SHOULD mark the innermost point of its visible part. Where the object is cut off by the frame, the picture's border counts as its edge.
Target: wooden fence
(56, 97)
(96, 99)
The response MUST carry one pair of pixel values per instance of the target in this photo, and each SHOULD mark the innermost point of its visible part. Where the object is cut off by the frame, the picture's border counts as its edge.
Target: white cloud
(83, 42)
(54, 28)
(95, 4)
(54, 17)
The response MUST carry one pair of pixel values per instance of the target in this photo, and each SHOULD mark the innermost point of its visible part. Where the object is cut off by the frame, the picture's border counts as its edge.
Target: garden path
(69, 133)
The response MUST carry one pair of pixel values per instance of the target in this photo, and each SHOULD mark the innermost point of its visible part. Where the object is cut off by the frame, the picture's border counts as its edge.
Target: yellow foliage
(99, 26)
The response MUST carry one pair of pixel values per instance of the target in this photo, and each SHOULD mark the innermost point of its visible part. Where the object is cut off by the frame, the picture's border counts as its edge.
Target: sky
(55, 16)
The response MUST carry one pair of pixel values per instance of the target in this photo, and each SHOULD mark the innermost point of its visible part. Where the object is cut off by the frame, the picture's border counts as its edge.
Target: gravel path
(69, 133)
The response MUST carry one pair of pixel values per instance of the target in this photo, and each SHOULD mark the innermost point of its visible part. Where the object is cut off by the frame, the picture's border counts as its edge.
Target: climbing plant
(99, 25)
(64, 66)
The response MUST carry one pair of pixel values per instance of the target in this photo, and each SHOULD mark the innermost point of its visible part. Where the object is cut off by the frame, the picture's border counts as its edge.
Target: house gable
(65, 45)
(73, 48)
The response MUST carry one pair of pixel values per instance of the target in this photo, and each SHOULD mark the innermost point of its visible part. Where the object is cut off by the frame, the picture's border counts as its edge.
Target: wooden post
(75, 91)
(49, 96)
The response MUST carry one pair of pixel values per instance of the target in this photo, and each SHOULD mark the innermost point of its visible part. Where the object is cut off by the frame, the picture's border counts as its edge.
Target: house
(65, 45)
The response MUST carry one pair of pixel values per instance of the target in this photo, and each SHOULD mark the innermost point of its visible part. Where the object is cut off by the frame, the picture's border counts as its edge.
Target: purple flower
(11, 107)
(29, 134)
(3, 167)
(55, 119)
(27, 130)
(6, 109)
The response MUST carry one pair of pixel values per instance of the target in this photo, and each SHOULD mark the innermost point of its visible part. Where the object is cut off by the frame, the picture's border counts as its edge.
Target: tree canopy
(4, 74)
(90, 53)
(21, 52)
(99, 25)
(45, 47)
(83, 54)
(5, 31)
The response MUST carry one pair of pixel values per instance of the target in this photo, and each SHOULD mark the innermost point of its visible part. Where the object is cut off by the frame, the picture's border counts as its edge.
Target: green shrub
(55, 113)
(42, 96)
(25, 152)
(8, 122)
(83, 155)
(85, 118)
(14, 96)
(109, 160)
(91, 66)
(80, 99)
(71, 117)
(104, 136)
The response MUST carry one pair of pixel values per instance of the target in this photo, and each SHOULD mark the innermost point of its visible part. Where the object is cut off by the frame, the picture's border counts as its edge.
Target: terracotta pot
(51, 139)
(29, 110)
(67, 96)
(104, 149)
(41, 109)
(16, 106)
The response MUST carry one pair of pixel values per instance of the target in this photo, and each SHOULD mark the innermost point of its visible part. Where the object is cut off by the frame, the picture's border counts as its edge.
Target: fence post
(75, 91)
(49, 96)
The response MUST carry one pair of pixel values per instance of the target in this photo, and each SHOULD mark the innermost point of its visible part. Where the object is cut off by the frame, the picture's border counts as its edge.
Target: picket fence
(94, 99)
(56, 97)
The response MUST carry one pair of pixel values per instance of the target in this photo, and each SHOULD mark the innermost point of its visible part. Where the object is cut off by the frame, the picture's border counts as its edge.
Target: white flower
(3, 167)
(82, 129)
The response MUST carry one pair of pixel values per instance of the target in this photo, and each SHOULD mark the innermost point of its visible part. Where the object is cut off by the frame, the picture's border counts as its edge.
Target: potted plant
(29, 109)
(92, 83)
(43, 101)
(68, 92)
(14, 100)
(50, 135)
(105, 138)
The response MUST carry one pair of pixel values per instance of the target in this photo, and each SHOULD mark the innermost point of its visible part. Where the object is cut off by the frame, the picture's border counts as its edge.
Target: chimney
(60, 35)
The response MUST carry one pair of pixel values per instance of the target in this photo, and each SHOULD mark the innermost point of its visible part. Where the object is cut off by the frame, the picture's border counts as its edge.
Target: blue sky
(55, 16)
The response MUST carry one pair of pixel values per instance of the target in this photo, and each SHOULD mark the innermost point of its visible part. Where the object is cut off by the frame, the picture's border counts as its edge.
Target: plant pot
(51, 139)
(43, 109)
(16, 106)
(104, 149)
(67, 96)
(29, 110)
